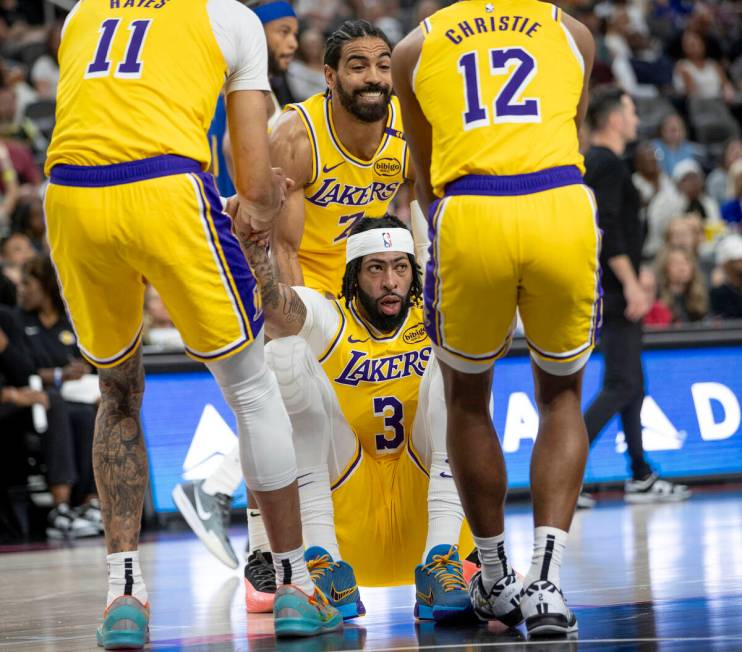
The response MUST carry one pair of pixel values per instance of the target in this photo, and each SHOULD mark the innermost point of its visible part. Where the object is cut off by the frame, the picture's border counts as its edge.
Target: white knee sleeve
(251, 390)
(293, 363)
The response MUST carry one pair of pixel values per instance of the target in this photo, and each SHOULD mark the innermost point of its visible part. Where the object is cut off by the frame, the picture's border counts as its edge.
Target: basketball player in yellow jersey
(128, 199)
(492, 95)
(368, 430)
(345, 151)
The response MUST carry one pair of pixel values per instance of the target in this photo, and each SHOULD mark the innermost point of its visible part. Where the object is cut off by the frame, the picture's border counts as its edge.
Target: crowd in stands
(680, 60)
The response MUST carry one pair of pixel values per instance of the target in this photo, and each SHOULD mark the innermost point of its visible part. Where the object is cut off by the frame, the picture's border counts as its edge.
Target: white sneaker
(90, 512)
(654, 489)
(545, 610)
(585, 500)
(501, 603)
(66, 524)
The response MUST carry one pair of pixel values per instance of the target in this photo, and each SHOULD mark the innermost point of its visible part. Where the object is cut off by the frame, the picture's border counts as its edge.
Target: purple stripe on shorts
(238, 267)
(97, 176)
(517, 184)
(431, 278)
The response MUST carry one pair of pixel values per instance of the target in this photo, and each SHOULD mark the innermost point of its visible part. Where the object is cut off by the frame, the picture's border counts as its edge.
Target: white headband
(376, 241)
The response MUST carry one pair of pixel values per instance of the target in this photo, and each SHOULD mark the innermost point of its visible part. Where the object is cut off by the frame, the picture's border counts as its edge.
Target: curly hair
(352, 269)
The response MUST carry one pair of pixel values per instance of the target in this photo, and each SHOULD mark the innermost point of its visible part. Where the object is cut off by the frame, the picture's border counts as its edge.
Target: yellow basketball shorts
(381, 518)
(160, 220)
(529, 242)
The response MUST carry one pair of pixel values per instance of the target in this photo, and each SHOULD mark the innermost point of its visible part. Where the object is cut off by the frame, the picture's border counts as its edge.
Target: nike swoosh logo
(326, 170)
(352, 340)
(202, 513)
(443, 474)
(426, 598)
(340, 595)
(254, 514)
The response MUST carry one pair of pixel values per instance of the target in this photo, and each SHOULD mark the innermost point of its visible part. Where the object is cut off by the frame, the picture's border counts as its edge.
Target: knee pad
(266, 448)
(294, 365)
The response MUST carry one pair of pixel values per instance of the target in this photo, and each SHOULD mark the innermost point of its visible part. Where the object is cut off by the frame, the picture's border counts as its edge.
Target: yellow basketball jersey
(343, 189)
(138, 79)
(499, 81)
(377, 379)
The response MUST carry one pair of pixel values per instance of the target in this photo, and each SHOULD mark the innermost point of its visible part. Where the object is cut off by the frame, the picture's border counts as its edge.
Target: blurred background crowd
(681, 61)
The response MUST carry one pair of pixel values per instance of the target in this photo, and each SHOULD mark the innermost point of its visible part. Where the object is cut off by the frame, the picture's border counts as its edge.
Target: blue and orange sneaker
(441, 591)
(336, 580)
(125, 625)
(299, 614)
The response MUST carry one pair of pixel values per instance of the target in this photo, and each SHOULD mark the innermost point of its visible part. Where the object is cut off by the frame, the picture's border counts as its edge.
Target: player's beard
(362, 110)
(274, 65)
(381, 322)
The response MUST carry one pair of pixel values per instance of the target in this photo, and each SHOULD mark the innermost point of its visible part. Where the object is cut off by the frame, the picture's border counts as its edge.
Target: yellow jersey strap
(312, 134)
(338, 334)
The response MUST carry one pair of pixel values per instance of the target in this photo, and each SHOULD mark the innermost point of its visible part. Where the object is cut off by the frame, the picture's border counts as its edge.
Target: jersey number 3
(509, 106)
(392, 410)
(131, 66)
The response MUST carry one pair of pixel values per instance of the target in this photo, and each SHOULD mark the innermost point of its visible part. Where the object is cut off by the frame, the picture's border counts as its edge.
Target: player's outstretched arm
(416, 125)
(283, 308)
(261, 189)
(291, 150)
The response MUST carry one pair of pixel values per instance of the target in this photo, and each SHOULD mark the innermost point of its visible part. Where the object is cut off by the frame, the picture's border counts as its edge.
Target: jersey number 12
(131, 66)
(509, 106)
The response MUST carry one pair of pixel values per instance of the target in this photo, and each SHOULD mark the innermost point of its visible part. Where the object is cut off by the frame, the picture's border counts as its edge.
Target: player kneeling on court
(366, 405)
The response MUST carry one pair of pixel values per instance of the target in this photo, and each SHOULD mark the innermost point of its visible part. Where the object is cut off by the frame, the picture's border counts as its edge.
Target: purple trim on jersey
(338, 335)
(220, 354)
(238, 267)
(556, 13)
(516, 184)
(416, 459)
(351, 468)
(98, 176)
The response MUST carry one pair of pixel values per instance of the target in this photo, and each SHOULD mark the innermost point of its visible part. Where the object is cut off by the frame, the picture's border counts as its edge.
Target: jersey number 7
(131, 66)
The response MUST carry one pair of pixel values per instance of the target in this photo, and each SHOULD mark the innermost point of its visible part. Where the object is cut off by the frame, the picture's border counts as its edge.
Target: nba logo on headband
(387, 240)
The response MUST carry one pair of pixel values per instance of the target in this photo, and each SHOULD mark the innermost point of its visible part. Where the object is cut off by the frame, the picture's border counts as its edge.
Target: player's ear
(330, 75)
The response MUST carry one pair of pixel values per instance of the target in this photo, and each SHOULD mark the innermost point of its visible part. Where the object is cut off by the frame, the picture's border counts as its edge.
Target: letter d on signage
(703, 394)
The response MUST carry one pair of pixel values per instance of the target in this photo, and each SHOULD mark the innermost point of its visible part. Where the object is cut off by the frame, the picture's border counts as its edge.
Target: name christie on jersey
(363, 369)
(334, 192)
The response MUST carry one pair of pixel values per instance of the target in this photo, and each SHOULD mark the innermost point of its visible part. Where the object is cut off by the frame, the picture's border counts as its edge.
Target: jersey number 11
(131, 66)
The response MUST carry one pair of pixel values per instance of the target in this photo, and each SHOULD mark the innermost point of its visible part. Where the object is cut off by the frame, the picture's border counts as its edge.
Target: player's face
(281, 36)
(384, 283)
(363, 80)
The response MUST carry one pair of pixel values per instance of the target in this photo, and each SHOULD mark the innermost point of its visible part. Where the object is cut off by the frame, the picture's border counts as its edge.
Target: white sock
(125, 576)
(292, 569)
(494, 561)
(548, 547)
(227, 476)
(317, 520)
(257, 536)
(445, 512)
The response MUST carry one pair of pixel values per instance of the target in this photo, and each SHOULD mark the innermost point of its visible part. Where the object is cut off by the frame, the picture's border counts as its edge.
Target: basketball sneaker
(585, 500)
(654, 489)
(125, 625)
(208, 517)
(260, 583)
(90, 512)
(336, 580)
(440, 588)
(501, 603)
(64, 523)
(299, 614)
(545, 610)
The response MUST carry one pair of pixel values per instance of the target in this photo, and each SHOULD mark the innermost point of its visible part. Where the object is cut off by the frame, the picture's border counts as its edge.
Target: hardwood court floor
(659, 577)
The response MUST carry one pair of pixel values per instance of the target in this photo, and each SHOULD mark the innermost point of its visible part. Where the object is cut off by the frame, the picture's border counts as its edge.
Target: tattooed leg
(119, 455)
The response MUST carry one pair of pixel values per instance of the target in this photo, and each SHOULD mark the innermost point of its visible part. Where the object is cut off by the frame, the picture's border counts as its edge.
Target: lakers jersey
(499, 83)
(126, 93)
(377, 378)
(343, 189)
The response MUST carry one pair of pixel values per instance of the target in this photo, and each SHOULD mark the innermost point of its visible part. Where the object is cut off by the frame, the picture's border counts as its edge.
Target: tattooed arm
(284, 310)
